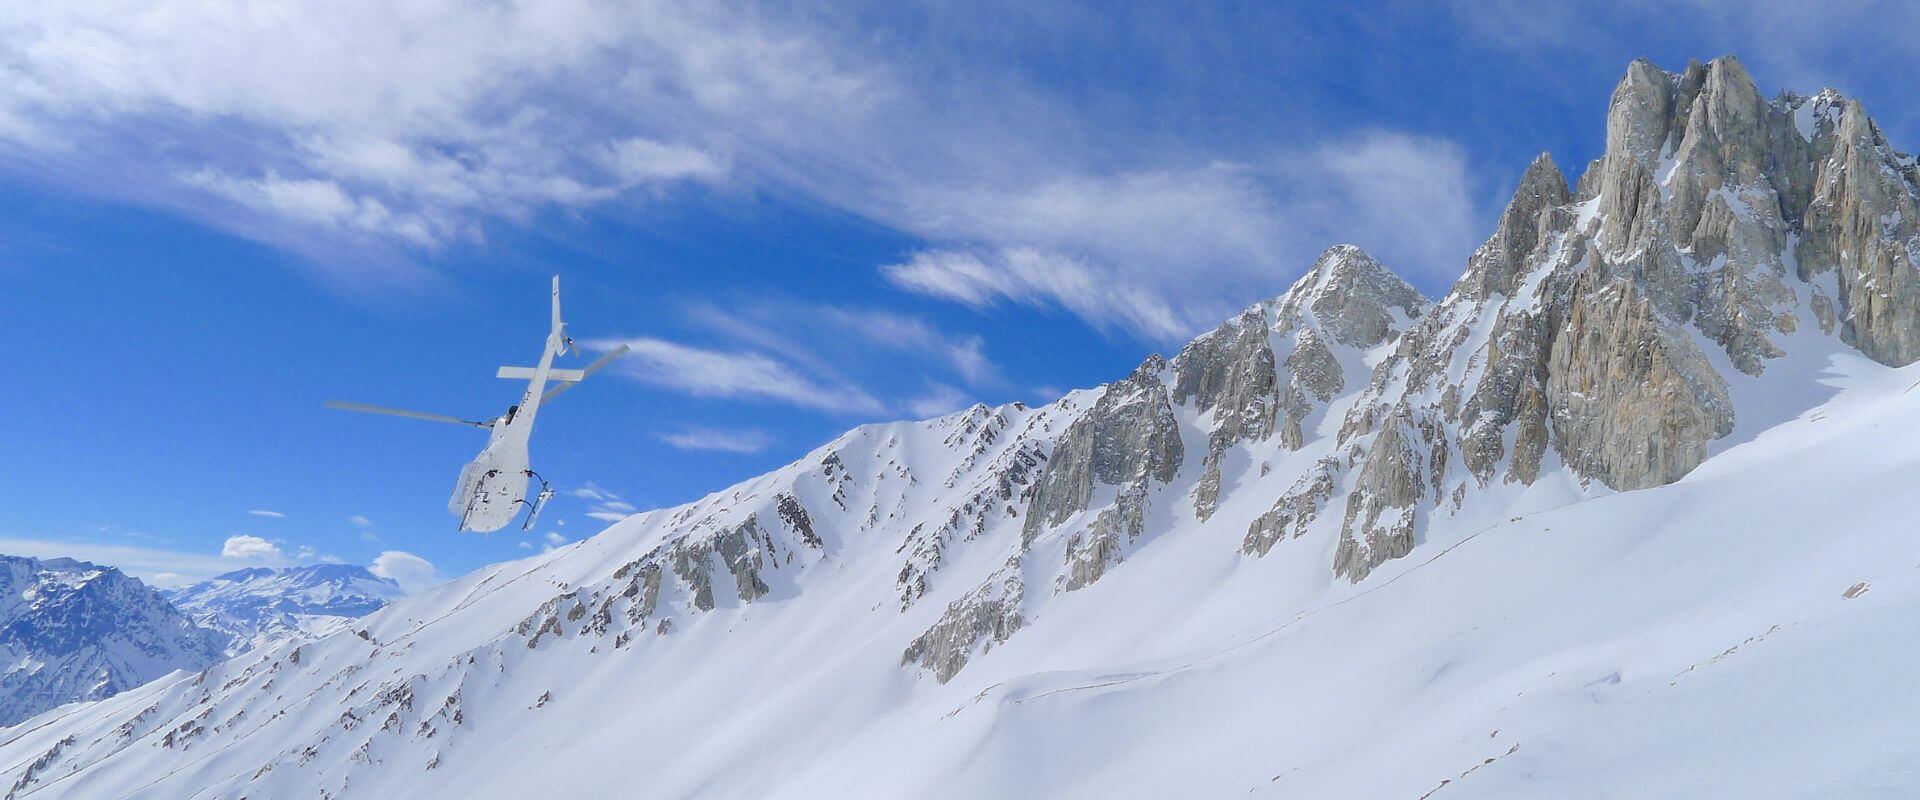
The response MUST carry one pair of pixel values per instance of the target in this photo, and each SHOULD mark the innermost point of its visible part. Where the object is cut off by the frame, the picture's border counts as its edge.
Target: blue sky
(214, 217)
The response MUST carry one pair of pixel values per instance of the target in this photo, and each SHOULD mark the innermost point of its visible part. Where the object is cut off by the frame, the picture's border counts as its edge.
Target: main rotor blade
(367, 409)
(597, 365)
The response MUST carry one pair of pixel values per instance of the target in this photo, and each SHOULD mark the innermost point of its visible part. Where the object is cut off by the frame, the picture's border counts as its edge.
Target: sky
(215, 216)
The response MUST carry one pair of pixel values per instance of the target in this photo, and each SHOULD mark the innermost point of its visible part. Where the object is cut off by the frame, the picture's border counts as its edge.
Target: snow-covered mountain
(261, 604)
(1624, 514)
(72, 631)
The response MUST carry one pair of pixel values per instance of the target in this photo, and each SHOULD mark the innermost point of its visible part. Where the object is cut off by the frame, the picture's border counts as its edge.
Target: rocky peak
(71, 630)
(1526, 223)
(1351, 298)
(1639, 113)
(1583, 326)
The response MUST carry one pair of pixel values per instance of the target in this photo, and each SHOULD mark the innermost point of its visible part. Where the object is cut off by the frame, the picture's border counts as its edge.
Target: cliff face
(1604, 325)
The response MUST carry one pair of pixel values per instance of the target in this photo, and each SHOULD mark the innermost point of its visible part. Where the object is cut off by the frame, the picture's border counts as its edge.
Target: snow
(1611, 646)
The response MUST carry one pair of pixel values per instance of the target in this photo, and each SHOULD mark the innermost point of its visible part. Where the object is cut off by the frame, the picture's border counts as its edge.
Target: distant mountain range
(261, 604)
(72, 631)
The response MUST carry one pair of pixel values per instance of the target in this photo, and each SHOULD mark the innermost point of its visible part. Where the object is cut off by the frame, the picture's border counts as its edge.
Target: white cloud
(261, 512)
(412, 572)
(719, 440)
(592, 491)
(1407, 199)
(453, 116)
(147, 563)
(169, 580)
(251, 548)
(938, 400)
(447, 115)
(1123, 252)
(712, 373)
(965, 355)
(555, 539)
(641, 160)
(607, 506)
(1104, 296)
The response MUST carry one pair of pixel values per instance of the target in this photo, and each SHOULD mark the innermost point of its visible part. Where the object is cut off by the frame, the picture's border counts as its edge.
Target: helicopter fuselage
(493, 486)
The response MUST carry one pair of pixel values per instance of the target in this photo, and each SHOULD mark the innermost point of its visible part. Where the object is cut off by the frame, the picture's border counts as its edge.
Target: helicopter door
(463, 491)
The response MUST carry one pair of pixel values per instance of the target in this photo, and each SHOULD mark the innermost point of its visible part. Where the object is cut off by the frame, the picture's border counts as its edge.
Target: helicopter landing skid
(539, 502)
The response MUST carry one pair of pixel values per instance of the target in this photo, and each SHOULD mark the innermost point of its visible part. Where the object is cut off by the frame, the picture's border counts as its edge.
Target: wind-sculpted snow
(1348, 544)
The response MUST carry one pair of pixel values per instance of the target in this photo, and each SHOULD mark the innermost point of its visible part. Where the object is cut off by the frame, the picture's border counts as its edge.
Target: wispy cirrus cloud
(261, 512)
(1123, 253)
(457, 116)
(720, 440)
(800, 354)
(737, 374)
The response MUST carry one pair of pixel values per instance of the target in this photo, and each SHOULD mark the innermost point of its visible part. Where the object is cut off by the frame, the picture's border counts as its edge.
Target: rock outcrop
(1716, 220)
(979, 620)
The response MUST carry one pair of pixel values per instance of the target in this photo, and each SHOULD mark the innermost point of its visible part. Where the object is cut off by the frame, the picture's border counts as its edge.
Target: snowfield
(1745, 632)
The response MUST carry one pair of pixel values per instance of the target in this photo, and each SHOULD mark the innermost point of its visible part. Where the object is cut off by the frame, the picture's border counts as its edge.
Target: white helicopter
(493, 486)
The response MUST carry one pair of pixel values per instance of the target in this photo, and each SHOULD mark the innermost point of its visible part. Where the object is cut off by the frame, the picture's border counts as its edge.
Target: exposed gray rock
(1633, 402)
(1574, 327)
(1103, 543)
(1128, 435)
(1352, 298)
(1230, 375)
(741, 548)
(1295, 510)
(983, 618)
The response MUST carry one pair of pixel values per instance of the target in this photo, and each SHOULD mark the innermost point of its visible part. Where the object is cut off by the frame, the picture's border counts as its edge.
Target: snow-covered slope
(1623, 515)
(72, 631)
(262, 604)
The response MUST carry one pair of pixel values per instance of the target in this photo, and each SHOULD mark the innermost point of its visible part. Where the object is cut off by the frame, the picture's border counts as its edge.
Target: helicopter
(493, 487)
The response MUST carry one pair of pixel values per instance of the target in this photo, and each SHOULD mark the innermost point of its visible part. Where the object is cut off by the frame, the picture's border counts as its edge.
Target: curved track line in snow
(1297, 619)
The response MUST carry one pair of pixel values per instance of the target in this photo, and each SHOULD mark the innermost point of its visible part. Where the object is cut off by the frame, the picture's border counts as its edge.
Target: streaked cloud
(261, 512)
(459, 116)
(939, 399)
(722, 440)
(735, 374)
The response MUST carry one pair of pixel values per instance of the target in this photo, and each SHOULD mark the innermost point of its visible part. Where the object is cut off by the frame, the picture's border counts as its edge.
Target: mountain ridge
(260, 604)
(72, 631)
(1039, 571)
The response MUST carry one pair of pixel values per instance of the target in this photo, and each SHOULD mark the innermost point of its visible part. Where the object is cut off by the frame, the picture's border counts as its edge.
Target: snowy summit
(1624, 513)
